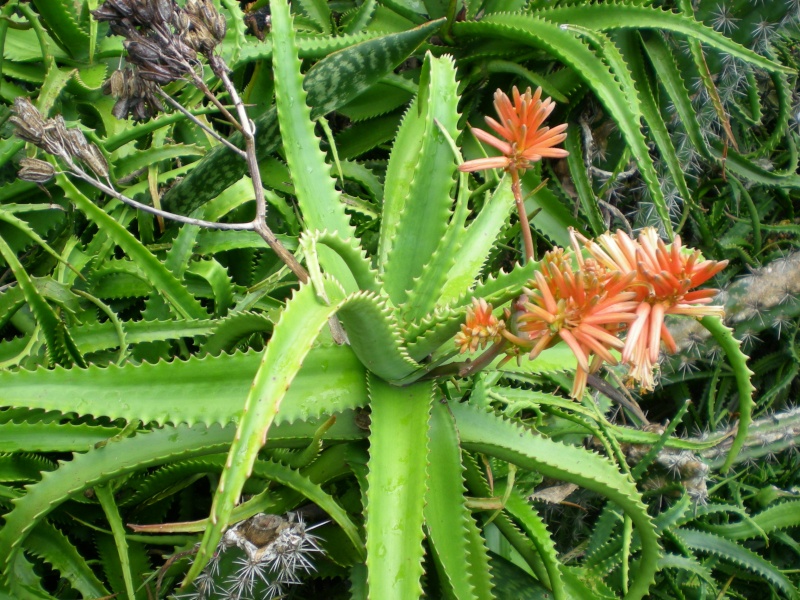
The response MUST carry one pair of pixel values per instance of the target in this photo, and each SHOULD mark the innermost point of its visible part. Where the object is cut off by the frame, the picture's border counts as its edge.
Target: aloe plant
(188, 362)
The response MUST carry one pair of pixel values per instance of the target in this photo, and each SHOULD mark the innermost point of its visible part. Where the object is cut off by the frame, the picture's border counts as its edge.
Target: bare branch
(177, 106)
(80, 173)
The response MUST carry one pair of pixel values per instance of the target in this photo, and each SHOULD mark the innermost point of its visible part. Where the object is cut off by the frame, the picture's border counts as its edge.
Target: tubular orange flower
(524, 141)
(665, 278)
(481, 327)
(585, 308)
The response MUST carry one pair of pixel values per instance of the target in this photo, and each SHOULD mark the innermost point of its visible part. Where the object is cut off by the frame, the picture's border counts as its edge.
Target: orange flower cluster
(524, 141)
(481, 327)
(586, 308)
(624, 285)
(665, 278)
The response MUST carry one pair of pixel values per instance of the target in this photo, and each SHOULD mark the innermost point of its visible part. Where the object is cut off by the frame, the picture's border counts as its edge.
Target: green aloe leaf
(621, 15)
(313, 185)
(208, 390)
(294, 335)
(419, 177)
(483, 432)
(451, 528)
(350, 252)
(61, 21)
(398, 465)
(477, 240)
(48, 543)
(106, 498)
(738, 360)
(652, 114)
(52, 437)
(359, 18)
(184, 304)
(319, 11)
(740, 556)
(375, 336)
(775, 518)
(536, 530)
(61, 347)
(114, 459)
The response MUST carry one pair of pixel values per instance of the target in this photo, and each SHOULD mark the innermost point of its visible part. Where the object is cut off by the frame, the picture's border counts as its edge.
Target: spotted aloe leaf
(331, 83)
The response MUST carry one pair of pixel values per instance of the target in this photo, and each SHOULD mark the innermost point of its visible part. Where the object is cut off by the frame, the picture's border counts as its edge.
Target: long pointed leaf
(398, 464)
(294, 334)
(60, 346)
(314, 187)
(482, 432)
(465, 565)
(162, 280)
(419, 178)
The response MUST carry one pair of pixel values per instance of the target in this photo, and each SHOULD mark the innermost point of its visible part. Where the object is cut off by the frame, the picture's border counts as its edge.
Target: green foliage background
(141, 368)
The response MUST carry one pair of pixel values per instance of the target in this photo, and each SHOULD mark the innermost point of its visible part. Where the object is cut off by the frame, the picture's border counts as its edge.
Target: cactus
(765, 299)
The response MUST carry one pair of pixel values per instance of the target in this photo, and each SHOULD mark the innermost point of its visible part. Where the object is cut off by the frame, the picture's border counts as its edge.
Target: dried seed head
(53, 139)
(165, 10)
(206, 26)
(219, 27)
(116, 85)
(95, 160)
(200, 38)
(28, 121)
(113, 10)
(141, 52)
(181, 21)
(35, 170)
(121, 108)
(208, 11)
(144, 13)
(25, 109)
(75, 142)
(140, 100)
